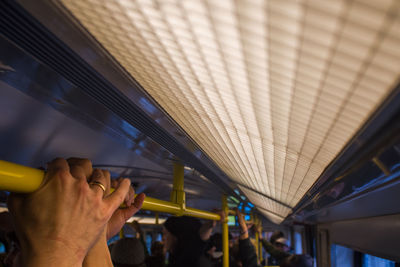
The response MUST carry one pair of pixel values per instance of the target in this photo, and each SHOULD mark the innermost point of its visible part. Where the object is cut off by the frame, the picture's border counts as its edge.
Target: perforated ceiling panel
(270, 90)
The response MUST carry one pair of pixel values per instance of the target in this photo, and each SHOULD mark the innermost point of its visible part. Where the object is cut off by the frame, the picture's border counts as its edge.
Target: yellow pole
(260, 255)
(225, 234)
(20, 179)
(157, 221)
(178, 193)
(257, 239)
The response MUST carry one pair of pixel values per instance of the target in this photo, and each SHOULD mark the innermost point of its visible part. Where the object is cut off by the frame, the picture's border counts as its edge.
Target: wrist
(42, 253)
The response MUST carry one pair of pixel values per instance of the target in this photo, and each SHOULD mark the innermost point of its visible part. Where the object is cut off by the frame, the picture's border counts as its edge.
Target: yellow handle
(18, 178)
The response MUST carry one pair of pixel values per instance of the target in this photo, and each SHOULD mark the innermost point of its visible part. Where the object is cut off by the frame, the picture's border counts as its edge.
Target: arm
(275, 253)
(136, 226)
(99, 255)
(57, 224)
(247, 253)
(206, 229)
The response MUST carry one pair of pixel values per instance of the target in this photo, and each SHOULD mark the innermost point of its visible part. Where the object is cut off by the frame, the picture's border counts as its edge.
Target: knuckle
(106, 173)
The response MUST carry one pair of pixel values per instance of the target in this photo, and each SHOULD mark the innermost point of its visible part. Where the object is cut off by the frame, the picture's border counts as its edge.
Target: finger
(98, 177)
(136, 206)
(85, 164)
(56, 165)
(77, 172)
(107, 181)
(131, 194)
(130, 197)
(117, 197)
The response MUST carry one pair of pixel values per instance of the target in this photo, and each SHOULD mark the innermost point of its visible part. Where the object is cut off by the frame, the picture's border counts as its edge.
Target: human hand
(121, 215)
(242, 223)
(61, 221)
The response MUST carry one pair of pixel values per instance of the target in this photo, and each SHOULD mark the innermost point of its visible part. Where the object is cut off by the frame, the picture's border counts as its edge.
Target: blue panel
(341, 256)
(371, 261)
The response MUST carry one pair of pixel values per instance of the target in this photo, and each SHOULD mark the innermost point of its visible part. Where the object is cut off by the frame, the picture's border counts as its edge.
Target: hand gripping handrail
(22, 179)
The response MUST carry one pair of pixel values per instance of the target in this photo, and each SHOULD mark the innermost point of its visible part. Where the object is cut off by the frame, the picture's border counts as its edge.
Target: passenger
(304, 260)
(128, 252)
(66, 221)
(247, 253)
(185, 240)
(278, 250)
(275, 235)
(139, 235)
(157, 258)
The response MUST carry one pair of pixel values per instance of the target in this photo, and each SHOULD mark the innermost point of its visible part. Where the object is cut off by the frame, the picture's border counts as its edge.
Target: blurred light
(146, 220)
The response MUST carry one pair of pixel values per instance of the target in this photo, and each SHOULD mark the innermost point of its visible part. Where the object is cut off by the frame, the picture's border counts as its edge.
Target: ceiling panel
(270, 90)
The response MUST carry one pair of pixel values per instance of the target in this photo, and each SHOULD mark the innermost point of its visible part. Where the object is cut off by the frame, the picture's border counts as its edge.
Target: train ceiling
(271, 91)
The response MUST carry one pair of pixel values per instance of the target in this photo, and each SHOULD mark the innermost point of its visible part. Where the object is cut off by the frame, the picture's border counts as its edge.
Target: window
(372, 261)
(341, 256)
(298, 248)
(149, 241)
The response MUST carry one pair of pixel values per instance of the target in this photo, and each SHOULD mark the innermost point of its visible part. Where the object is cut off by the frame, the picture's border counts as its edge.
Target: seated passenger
(128, 252)
(66, 221)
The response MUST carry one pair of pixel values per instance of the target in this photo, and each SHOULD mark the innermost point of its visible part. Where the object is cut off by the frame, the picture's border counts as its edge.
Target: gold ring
(99, 185)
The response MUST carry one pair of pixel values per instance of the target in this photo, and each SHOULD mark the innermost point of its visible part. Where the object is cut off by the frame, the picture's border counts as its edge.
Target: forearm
(99, 255)
(277, 254)
(206, 230)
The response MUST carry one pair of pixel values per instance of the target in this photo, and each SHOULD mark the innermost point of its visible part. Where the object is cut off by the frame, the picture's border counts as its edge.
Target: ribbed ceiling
(270, 90)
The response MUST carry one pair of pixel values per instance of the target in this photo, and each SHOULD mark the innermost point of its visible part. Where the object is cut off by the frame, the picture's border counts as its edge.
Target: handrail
(22, 179)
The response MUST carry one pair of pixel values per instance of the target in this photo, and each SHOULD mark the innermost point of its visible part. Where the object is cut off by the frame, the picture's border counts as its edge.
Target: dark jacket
(277, 255)
(247, 253)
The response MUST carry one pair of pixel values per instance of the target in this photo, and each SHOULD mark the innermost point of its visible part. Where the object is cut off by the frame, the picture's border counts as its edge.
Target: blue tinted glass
(341, 256)
(147, 105)
(247, 209)
(298, 246)
(251, 205)
(247, 218)
(372, 261)
(149, 240)
(159, 237)
(240, 206)
(2, 248)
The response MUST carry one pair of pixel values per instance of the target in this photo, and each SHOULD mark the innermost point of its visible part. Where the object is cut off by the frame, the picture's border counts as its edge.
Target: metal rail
(21, 179)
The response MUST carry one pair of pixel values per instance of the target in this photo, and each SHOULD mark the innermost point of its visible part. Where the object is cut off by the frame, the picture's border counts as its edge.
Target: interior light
(271, 90)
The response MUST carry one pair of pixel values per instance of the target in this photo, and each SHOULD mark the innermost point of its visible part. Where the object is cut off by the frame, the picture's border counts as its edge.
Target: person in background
(275, 235)
(246, 253)
(66, 221)
(157, 258)
(278, 250)
(139, 235)
(128, 252)
(303, 260)
(185, 240)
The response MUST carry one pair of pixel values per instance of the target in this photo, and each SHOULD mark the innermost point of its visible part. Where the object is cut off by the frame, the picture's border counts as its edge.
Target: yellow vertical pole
(225, 234)
(260, 255)
(178, 193)
(157, 221)
(257, 240)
